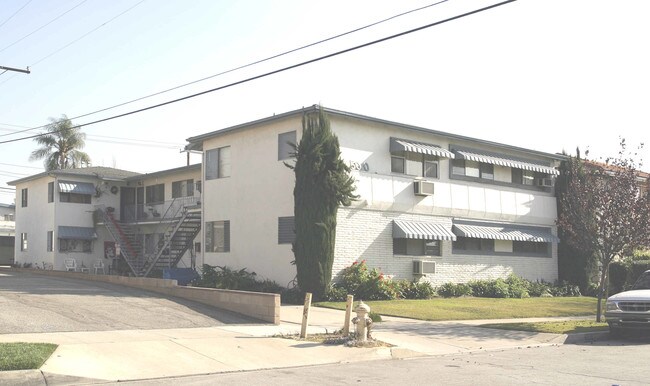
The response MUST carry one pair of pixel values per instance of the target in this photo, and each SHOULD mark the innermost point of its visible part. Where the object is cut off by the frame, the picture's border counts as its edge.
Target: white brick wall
(363, 234)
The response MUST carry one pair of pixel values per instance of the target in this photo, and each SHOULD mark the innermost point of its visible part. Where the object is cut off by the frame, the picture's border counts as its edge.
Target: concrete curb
(584, 337)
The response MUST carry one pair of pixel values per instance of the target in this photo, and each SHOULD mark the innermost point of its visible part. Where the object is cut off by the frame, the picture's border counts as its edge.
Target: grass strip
(560, 327)
(24, 356)
(470, 308)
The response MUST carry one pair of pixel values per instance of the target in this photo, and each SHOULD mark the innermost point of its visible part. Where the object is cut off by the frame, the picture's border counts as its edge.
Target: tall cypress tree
(323, 183)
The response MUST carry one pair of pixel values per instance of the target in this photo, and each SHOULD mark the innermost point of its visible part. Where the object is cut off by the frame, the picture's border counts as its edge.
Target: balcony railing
(155, 212)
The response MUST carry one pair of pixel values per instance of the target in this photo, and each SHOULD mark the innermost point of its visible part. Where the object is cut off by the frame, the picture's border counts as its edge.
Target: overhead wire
(283, 69)
(238, 67)
(15, 13)
(43, 26)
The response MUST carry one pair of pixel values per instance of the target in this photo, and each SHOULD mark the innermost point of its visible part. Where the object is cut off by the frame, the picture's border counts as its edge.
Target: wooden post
(348, 314)
(305, 315)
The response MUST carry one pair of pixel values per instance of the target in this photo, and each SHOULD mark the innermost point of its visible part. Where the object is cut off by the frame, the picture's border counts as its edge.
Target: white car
(630, 309)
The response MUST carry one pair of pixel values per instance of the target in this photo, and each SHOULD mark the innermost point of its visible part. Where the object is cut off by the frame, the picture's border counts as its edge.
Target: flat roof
(165, 172)
(100, 172)
(196, 142)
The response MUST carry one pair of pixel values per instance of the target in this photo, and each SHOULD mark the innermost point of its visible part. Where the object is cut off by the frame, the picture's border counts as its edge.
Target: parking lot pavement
(33, 303)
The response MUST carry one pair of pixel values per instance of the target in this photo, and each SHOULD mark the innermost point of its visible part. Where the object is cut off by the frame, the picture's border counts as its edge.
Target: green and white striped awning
(503, 161)
(76, 187)
(77, 233)
(397, 144)
(511, 232)
(421, 230)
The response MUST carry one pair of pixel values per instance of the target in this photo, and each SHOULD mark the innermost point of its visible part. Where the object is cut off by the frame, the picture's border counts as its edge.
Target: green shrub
(292, 296)
(334, 293)
(480, 288)
(517, 287)
(565, 289)
(539, 288)
(414, 290)
(452, 290)
(499, 289)
(367, 284)
(636, 270)
(375, 317)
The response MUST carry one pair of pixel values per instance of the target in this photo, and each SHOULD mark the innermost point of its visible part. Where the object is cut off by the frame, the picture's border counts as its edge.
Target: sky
(547, 75)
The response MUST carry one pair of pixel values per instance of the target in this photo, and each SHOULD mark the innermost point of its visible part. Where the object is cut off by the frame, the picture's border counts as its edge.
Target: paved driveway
(38, 303)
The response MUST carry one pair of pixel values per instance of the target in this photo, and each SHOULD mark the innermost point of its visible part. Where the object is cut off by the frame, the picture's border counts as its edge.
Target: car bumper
(638, 320)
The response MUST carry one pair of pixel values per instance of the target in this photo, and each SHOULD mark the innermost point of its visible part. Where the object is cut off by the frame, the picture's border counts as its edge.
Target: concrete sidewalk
(96, 357)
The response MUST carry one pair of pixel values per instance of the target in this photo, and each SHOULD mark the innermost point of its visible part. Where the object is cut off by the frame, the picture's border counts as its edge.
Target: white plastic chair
(99, 264)
(70, 265)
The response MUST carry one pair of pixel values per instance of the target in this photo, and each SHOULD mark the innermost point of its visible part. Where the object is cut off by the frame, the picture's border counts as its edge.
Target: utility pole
(15, 69)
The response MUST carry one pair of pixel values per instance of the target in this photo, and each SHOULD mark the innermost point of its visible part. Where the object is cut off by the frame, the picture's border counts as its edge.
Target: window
(217, 236)
(50, 192)
(415, 247)
(155, 194)
(217, 163)
(529, 247)
(285, 149)
(517, 176)
(183, 188)
(431, 169)
(23, 194)
(458, 167)
(75, 245)
(528, 177)
(23, 242)
(50, 241)
(75, 198)
(286, 230)
(197, 247)
(414, 164)
(198, 186)
(487, 171)
(472, 169)
(397, 164)
(469, 244)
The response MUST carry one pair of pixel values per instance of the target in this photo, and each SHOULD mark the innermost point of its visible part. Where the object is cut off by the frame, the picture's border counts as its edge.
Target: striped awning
(397, 144)
(77, 233)
(504, 232)
(76, 187)
(421, 230)
(502, 161)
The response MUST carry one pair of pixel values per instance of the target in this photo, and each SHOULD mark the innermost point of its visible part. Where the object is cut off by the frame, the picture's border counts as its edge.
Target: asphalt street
(621, 362)
(37, 303)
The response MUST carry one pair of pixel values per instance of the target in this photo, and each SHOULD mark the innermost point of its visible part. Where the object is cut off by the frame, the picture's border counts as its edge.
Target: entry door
(127, 204)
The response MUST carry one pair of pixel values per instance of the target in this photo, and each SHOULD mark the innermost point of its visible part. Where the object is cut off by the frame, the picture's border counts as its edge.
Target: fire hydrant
(362, 322)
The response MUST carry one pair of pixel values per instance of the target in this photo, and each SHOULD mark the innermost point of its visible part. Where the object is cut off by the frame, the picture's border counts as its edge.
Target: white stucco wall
(258, 191)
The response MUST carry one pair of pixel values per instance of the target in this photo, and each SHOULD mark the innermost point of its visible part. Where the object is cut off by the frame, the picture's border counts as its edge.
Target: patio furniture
(70, 265)
(99, 264)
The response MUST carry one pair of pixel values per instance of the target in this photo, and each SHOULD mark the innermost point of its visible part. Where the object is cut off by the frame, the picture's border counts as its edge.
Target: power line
(43, 26)
(283, 69)
(21, 166)
(122, 140)
(15, 13)
(230, 70)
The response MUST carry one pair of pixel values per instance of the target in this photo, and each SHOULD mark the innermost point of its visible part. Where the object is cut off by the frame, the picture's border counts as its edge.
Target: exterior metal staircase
(178, 226)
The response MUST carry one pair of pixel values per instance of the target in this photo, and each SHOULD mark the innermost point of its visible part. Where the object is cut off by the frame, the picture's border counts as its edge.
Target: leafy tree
(60, 145)
(605, 211)
(575, 265)
(323, 183)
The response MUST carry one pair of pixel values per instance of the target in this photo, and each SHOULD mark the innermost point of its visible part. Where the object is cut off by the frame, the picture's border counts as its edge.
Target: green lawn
(468, 308)
(563, 327)
(24, 356)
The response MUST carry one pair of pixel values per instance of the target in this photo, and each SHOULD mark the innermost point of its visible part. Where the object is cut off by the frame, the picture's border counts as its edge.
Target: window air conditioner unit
(546, 182)
(423, 267)
(423, 188)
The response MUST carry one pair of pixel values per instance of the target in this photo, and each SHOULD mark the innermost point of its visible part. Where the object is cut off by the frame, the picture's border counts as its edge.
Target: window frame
(50, 241)
(401, 247)
(151, 193)
(283, 224)
(50, 192)
(24, 193)
(284, 147)
(183, 188)
(215, 159)
(23, 241)
(75, 198)
(210, 236)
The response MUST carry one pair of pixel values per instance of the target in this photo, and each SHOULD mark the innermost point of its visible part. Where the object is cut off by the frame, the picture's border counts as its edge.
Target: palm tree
(60, 145)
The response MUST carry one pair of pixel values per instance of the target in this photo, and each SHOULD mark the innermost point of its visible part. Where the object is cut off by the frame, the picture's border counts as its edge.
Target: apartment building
(432, 205)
